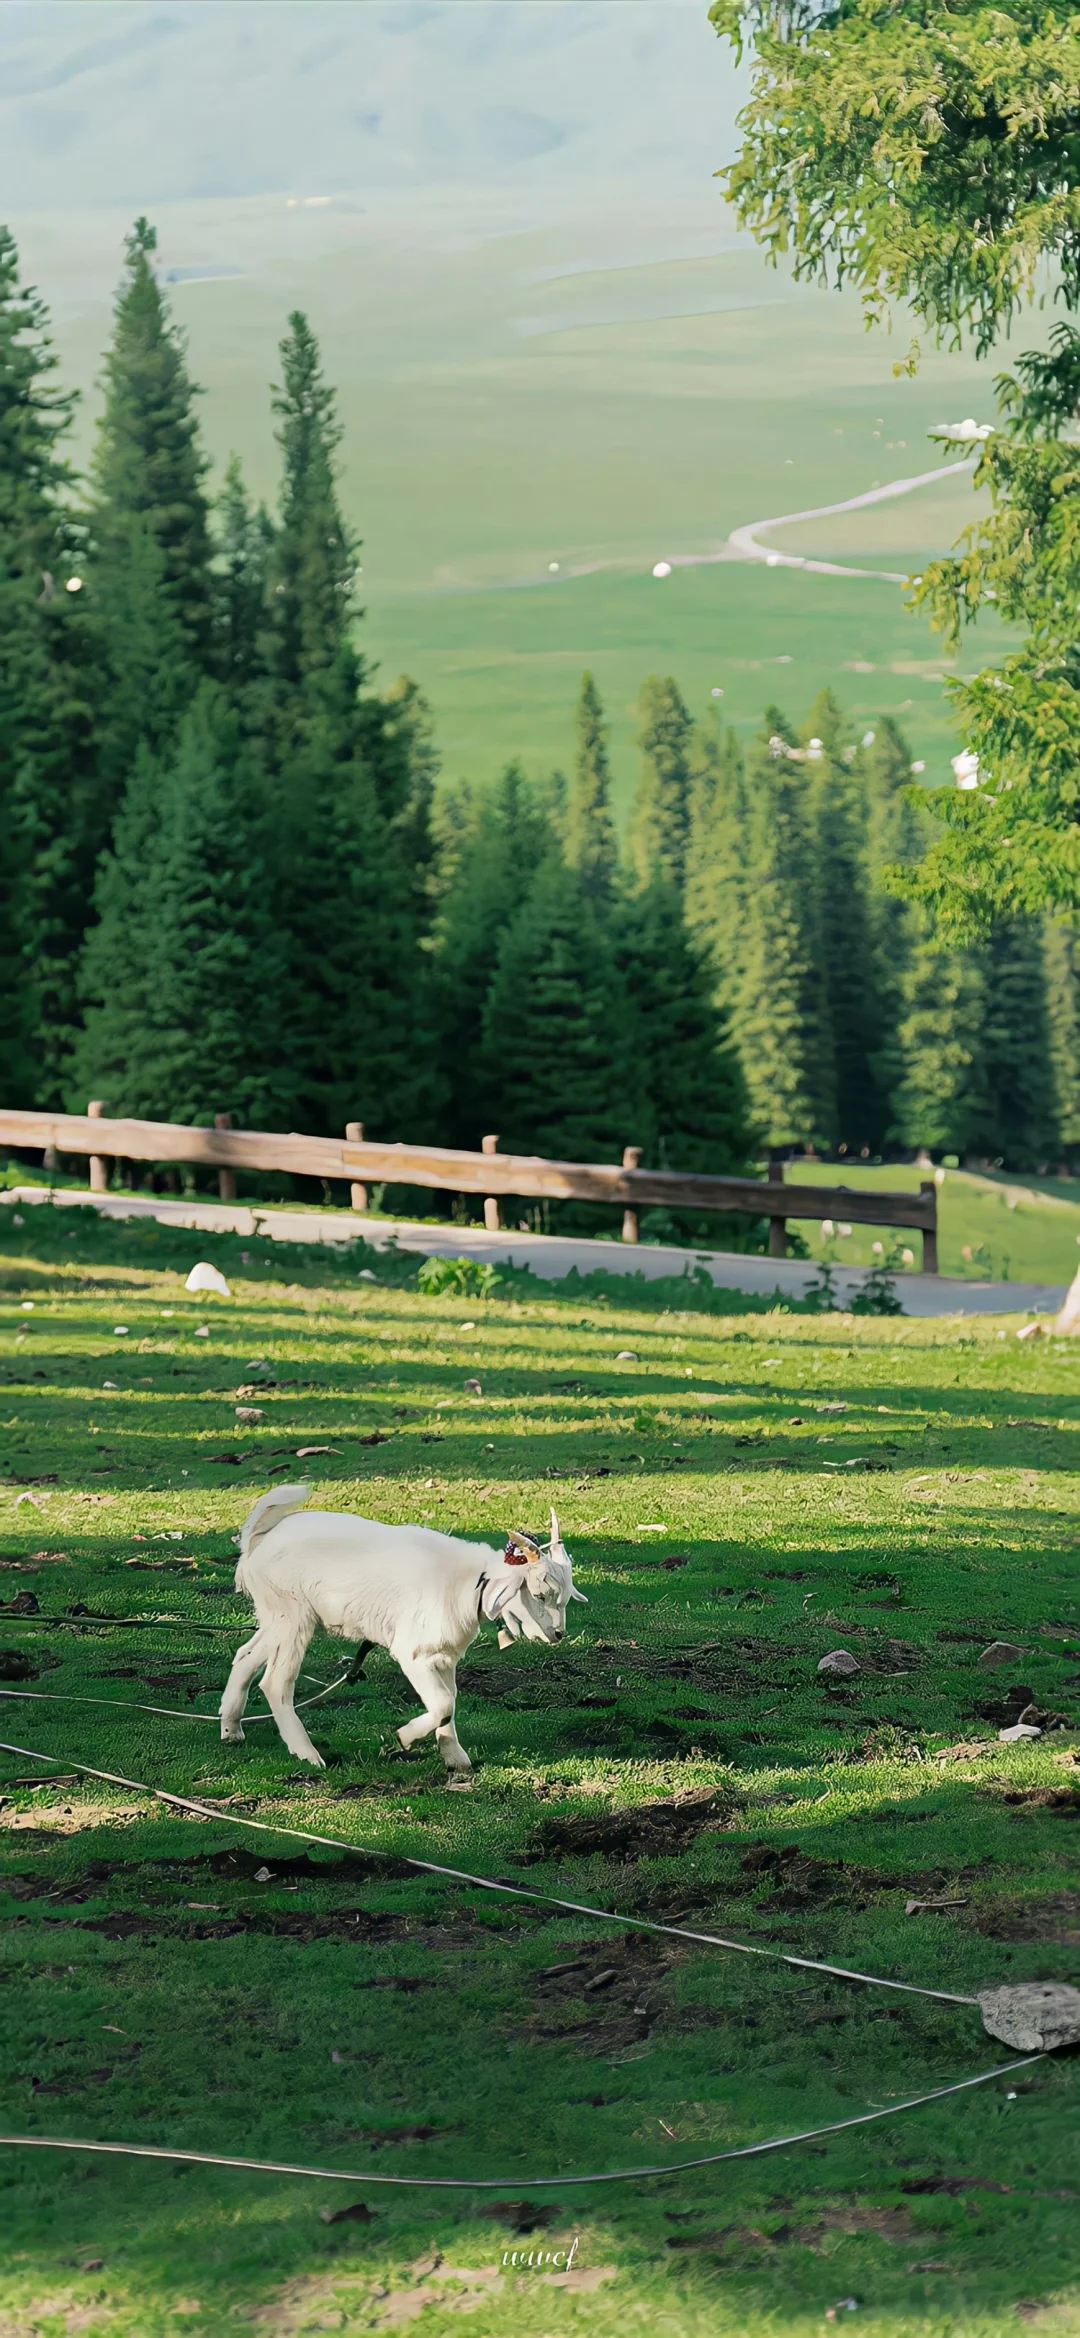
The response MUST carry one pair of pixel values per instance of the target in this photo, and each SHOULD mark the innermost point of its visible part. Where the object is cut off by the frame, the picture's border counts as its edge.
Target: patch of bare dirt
(1052, 1918)
(650, 1830)
(798, 1880)
(890, 2224)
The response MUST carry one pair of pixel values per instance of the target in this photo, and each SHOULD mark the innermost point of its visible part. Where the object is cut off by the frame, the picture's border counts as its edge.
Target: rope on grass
(677, 2167)
(165, 1712)
(513, 1891)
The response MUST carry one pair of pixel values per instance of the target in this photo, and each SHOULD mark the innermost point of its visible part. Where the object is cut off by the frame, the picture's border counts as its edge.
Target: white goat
(419, 1594)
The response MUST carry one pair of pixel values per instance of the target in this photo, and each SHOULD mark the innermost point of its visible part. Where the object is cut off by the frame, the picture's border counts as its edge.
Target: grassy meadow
(743, 1492)
(991, 1227)
(601, 386)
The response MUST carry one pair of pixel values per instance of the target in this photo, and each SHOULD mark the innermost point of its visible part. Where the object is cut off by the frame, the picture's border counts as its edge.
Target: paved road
(550, 1255)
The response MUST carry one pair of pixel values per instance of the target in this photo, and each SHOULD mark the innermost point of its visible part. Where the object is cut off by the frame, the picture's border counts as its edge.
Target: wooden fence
(490, 1174)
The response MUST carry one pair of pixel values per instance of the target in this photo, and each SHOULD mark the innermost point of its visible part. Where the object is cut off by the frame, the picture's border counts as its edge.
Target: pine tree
(696, 1112)
(717, 853)
(492, 846)
(1017, 1047)
(1062, 967)
(151, 518)
(941, 1100)
(244, 545)
(590, 845)
(312, 571)
(356, 1016)
(183, 973)
(781, 1016)
(50, 814)
(659, 827)
(556, 1067)
(846, 927)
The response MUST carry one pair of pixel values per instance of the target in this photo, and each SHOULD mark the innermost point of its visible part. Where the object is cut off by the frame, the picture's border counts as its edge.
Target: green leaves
(921, 154)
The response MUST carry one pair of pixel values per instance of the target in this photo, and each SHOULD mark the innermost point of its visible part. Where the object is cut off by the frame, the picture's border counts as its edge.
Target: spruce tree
(1061, 947)
(356, 1013)
(183, 974)
(50, 811)
(1017, 1047)
(557, 1070)
(244, 542)
(781, 1017)
(718, 852)
(492, 845)
(312, 571)
(151, 518)
(846, 927)
(590, 845)
(696, 1112)
(659, 827)
(941, 1099)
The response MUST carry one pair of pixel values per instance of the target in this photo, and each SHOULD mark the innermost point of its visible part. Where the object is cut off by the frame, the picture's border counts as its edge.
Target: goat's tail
(269, 1510)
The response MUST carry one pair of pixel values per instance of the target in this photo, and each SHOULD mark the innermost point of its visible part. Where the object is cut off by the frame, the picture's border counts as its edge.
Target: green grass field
(992, 1228)
(603, 387)
(746, 1492)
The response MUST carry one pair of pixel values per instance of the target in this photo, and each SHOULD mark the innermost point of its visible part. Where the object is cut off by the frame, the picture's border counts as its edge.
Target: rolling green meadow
(603, 384)
(744, 1491)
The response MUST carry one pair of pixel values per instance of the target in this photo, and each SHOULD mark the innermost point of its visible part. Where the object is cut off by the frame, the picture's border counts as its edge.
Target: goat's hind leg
(246, 1663)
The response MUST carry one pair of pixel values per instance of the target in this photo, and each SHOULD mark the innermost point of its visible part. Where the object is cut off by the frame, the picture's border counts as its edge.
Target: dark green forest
(230, 881)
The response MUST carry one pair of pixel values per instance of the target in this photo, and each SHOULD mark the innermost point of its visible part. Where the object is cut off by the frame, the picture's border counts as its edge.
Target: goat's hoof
(314, 1760)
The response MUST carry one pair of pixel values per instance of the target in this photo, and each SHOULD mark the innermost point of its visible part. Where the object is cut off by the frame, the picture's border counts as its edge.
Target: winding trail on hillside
(743, 542)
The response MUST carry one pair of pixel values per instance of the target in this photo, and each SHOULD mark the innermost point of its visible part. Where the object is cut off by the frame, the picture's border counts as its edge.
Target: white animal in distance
(409, 1589)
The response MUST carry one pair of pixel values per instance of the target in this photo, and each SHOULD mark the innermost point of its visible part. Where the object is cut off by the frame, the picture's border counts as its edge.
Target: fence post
(354, 1135)
(492, 1218)
(777, 1225)
(226, 1178)
(631, 1160)
(929, 1240)
(99, 1167)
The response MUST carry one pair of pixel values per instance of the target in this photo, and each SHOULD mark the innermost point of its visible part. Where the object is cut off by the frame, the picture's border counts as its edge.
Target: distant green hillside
(548, 353)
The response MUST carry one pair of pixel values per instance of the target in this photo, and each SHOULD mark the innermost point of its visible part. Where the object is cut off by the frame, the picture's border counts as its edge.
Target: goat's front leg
(246, 1663)
(435, 1680)
(278, 1683)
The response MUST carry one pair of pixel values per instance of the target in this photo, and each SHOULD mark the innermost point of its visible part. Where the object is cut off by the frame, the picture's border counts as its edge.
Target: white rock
(250, 1413)
(365, 1275)
(628, 1356)
(205, 1277)
(841, 1661)
(1034, 2016)
(1019, 1730)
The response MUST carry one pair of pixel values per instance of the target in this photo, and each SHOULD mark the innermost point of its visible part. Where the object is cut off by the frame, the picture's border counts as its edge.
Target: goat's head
(530, 1601)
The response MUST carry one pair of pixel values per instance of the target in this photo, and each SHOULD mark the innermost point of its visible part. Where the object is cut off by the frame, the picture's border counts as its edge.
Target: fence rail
(490, 1174)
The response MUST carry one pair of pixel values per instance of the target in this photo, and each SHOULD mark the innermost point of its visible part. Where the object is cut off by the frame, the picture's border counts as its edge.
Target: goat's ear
(501, 1598)
(576, 1594)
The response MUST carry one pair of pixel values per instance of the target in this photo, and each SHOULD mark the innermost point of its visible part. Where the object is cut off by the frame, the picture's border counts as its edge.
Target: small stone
(841, 1661)
(1019, 1731)
(252, 1414)
(1001, 1652)
(474, 1388)
(1034, 2016)
(628, 1356)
